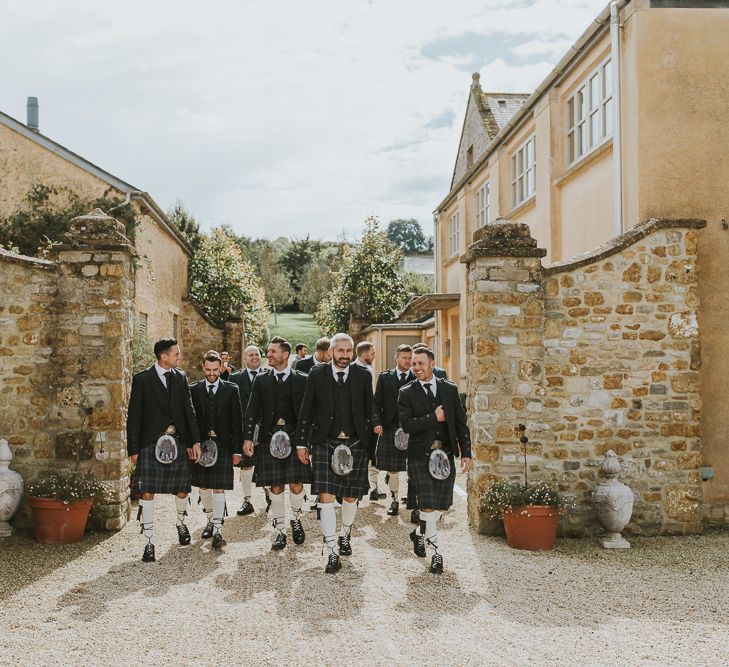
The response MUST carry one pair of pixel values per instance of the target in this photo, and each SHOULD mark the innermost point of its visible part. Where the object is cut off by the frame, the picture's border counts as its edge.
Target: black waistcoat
(212, 410)
(284, 399)
(343, 421)
(441, 430)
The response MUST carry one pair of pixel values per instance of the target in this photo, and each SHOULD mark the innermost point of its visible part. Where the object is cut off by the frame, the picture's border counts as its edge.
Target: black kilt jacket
(385, 400)
(152, 409)
(227, 418)
(261, 408)
(305, 365)
(317, 408)
(242, 380)
(418, 419)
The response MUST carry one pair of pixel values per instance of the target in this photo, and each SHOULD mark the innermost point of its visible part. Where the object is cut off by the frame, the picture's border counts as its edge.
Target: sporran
(439, 465)
(401, 439)
(165, 451)
(280, 446)
(209, 453)
(342, 460)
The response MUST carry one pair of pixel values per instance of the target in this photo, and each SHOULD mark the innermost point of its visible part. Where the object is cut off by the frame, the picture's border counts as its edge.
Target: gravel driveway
(666, 601)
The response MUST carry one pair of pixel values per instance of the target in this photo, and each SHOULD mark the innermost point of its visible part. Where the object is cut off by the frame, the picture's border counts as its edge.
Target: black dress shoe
(218, 541)
(183, 534)
(148, 555)
(394, 508)
(418, 544)
(436, 564)
(207, 531)
(345, 548)
(246, 508)
(374, 495)
(333, 564)
(279, 543)
(415, 516)
(297, 531)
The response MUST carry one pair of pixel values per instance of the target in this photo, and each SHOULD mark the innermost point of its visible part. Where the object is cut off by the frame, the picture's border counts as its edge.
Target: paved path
(666, 601)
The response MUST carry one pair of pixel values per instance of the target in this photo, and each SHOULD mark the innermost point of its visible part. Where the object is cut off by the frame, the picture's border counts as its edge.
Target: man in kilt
(274, 406)
(244, 379)
(387, 420)
(335, 427)
(431, 412)
(217, 406)
(160, 404)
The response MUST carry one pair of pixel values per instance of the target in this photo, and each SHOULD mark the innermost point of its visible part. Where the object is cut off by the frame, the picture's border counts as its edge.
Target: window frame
(595, 115)
(523, 172)
(454, 234)
(483, 205)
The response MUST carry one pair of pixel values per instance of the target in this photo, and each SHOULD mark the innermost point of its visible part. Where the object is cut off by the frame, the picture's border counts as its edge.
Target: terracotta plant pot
(57, 523)
(531, 527)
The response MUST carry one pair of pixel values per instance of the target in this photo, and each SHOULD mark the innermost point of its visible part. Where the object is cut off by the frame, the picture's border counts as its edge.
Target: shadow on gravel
(659, 579)
(23, 560)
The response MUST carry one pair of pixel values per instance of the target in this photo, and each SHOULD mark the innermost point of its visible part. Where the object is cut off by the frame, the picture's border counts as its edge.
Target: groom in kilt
(387, 420)
(217, 406)
(160, 404)
(274, 405)
(431, 412)
(335, 427)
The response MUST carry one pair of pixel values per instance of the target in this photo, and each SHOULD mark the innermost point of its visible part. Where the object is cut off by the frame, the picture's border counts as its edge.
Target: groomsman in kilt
(274, 405)
(322, 354)
(160, 405)
(387, 421)
(335, 427)
(217, 406)
(431, 412)
(244, 379)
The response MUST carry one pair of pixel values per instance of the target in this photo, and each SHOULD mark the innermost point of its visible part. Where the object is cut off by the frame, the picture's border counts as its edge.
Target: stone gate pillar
(504, 344)
(92, 354)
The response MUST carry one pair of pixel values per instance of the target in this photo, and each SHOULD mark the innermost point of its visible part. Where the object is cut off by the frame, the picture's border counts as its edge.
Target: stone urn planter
(531, 527)
(11, 489)
(613, 504)
(57, 522)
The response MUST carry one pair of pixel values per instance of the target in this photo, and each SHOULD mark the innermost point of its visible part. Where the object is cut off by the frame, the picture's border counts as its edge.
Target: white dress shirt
(286, 372)
(214, 385)
(161, 373)
(364, 365)
(336, 370)
(433, 385)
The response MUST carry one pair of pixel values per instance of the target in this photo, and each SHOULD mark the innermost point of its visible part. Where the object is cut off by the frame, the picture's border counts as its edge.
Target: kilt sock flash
(394, 483)
(181, 505)
(206, 499)
(278, 511)
(218, 510)
(430, 519)
(297, 502)
(147, 507)
(328, 523)
(246, 480)
(349, 511)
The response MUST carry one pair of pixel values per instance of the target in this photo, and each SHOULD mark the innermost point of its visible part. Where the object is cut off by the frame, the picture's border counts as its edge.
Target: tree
(407, 235)
(221, 282)
(367, 286)
(274, 279)
(186, 223)
(297, 258)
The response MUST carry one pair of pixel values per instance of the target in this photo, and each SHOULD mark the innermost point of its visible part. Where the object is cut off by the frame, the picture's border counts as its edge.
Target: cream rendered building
(631, 124)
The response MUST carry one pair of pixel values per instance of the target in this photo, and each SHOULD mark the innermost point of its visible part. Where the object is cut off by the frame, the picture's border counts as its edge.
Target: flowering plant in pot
(531, 511)
(61, 500)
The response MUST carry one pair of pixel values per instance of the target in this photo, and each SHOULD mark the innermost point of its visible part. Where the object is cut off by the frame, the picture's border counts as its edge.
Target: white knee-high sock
(431, 528)
(328, 522)
(394, 483)
(206, 500)
(181, 505)
(373, 475)
(246, 480)
(278, 511)
(297, 502)
(218, 510)
(349, 511)
(148, 519)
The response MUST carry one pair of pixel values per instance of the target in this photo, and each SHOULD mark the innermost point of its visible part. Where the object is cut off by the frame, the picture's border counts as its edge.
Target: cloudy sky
(277, 117)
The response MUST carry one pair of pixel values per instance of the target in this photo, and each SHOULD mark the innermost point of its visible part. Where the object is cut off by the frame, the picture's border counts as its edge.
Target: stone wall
(199, 335)
(66, 359)
(595, 354)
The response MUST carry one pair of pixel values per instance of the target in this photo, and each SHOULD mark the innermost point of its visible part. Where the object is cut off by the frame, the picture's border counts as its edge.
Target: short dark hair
(277, 340)
(162, 345)
(425, 350)
(403, 348)
(212, 355)
(301, 346)
(363, 346)
(323, 344)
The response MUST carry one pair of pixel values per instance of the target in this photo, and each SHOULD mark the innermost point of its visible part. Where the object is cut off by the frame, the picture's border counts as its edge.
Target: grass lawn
(295, 328)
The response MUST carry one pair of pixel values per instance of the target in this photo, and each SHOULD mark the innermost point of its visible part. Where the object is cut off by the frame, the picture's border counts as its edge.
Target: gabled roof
(486, 115)
(133, 193)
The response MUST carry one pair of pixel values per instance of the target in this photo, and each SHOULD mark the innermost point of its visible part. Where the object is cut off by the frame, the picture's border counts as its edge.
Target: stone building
(626, 129)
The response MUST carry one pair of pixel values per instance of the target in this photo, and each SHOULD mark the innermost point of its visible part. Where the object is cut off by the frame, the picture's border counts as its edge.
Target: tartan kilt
(270, 471)
(247, 461)
(219, 476)
(388, 457)
(433, 494)
(325, 480)
(151, 476)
